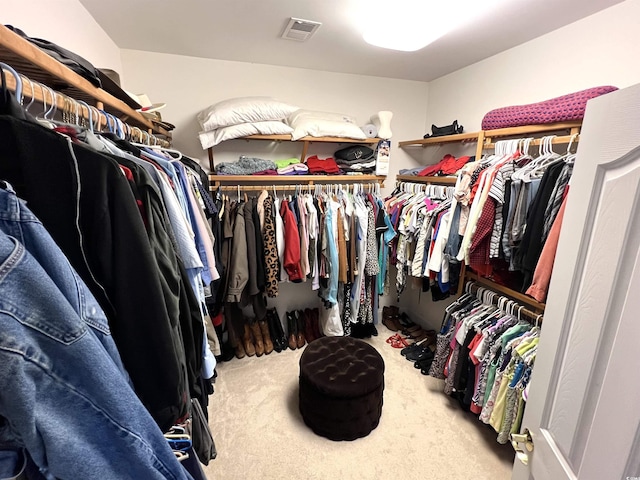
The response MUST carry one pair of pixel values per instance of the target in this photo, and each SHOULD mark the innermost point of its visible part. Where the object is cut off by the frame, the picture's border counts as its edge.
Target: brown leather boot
(300, 340)
(240, 353)
(248, 342)
(266, 337)
(257, 339)
(292, 327)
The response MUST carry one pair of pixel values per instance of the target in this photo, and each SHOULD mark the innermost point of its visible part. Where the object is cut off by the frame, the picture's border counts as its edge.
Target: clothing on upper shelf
(322, 166)
(447, 166)
(486, 357)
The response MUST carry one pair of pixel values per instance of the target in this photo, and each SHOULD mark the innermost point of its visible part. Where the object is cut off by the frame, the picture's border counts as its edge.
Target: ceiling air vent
(300, 30)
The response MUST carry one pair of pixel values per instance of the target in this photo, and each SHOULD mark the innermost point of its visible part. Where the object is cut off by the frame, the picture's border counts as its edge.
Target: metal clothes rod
(516, 310)
(562, 140)
(303, 187)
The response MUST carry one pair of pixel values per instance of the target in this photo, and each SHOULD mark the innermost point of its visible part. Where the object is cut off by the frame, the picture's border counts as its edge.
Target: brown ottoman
(341, 385)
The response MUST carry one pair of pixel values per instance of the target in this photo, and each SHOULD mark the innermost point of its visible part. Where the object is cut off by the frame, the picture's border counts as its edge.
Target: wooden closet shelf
(287, 138)
(423, 142)
(29, 60)
(572, 127)
(295, 179)
(432, 180)
(519, 297)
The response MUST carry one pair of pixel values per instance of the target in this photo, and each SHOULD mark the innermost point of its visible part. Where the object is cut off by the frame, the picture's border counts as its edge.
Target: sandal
(396, 341)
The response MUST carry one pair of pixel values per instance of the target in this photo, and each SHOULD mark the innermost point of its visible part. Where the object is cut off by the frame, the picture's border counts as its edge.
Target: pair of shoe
(424, 364)
(310, 321)
(363, 330)
(397, 341)
(256, 339)
(391, 318)
(275, 330)
(296, 327)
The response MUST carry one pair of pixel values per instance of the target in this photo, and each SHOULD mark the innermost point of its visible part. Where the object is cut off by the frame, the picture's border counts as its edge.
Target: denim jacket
(64, 395)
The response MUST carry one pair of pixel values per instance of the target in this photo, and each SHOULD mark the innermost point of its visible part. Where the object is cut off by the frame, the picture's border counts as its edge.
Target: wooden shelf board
(287, 138)
(549, 127)
(32, 62)
(423, 142)
(301, 179)
(521, 298)
(433, 180)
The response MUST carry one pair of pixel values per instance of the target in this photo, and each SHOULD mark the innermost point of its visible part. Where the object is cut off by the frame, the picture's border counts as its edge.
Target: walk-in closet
(319, 240)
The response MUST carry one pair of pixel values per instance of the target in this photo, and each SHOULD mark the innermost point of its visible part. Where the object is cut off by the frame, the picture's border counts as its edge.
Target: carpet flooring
(423, 434)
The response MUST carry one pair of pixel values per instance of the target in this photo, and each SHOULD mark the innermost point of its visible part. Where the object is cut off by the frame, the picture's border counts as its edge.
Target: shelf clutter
(305, 142)
(31, 62)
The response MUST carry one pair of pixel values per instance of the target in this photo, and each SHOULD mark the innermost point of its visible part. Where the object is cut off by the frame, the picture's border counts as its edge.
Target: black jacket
(88, 208)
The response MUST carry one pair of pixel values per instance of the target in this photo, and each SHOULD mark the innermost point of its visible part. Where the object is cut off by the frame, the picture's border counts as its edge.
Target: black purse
(452, 129)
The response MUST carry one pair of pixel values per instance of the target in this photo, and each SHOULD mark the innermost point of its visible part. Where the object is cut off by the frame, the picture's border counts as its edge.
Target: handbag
(452, 129)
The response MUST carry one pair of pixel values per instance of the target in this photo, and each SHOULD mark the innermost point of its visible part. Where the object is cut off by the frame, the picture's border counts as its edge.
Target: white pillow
(210, 139)
(301, 114)
(243, 110)
(314, 127)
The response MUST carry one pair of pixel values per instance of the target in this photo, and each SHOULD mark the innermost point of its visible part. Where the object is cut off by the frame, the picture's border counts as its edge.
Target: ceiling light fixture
(409, 25)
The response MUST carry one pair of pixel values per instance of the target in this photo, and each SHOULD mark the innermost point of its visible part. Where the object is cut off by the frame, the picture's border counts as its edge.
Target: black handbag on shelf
(452, 129)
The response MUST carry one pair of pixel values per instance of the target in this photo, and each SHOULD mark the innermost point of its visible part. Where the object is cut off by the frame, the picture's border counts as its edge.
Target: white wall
(67, 23)
(598, 50)
(189, 84)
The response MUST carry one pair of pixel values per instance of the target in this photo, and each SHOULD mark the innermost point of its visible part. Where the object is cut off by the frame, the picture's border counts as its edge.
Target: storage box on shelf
(29, 60)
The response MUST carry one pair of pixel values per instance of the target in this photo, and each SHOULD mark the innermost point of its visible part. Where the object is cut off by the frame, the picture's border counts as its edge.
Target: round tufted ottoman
(341, 385)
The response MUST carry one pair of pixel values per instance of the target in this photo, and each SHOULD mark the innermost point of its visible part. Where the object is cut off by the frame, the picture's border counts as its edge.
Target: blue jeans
(64, 397)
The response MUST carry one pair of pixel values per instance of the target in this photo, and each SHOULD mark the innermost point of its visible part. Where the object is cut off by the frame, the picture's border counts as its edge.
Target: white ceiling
(249, 31)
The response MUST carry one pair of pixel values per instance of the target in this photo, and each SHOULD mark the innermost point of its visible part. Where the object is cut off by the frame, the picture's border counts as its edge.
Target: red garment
(480, 245)
(447, 166)
(542, 275)
(217, 320)
(292, 244)
(129, 175)
(319, 166)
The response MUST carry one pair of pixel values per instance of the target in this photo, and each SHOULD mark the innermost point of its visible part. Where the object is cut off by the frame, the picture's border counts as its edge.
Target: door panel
(585, 382)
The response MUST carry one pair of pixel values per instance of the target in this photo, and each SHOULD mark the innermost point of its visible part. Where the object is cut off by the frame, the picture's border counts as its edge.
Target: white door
(583, 408)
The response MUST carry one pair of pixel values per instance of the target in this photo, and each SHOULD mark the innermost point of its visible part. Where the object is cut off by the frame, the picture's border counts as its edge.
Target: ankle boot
(257, 338)
(291, 326)
(300, 329)
(308, 325)
(273, 333)
(248, 342)
(239, 351)
(266, 337)
(277, 326)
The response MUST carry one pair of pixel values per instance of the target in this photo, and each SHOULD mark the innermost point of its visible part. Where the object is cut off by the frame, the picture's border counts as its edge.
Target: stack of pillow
(244, 116)
(310, 123)
(241, 117)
